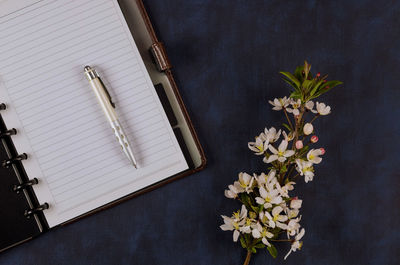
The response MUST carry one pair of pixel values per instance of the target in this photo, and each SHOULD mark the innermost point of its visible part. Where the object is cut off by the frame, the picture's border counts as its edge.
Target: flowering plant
(268, 213)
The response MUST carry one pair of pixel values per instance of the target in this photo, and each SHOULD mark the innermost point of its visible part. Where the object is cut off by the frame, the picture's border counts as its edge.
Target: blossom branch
(268, 211)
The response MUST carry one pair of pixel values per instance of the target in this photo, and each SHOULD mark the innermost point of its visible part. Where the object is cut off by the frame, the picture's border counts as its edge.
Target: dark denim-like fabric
(226, 56)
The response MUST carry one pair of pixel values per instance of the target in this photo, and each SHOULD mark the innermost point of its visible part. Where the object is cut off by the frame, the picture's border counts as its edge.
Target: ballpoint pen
(108, 107)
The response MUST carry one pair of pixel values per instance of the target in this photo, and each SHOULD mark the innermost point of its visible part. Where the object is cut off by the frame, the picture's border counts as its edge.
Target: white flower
(262, 232)
(272, 135)
(246, 228)
(309, 105)
(296, 105)
(259, 146)
(293, 227)
(276, 219)
(305, 168)
(245, 183)
(297, 243)
(279, 103)
(308, 129)
(281, 154)
(313, 156)
(292, 213)
(296, 203)
(232, 192)
(269, 179)
(322, 109)
(235, 222)
(284, 191)
(288, 137)
(268, 197)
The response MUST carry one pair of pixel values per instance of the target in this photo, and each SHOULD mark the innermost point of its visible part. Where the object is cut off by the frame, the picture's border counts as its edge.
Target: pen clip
(109, 96)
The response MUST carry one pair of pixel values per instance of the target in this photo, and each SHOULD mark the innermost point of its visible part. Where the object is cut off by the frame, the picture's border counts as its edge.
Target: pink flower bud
(314, 139)
(308, 129)
(299, 144)
(318, 74)
(322, 150)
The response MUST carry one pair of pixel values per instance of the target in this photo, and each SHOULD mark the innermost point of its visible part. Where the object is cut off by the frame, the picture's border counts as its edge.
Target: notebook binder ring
(40, 208)
(10, 132)
(22, 186)
(8, 162)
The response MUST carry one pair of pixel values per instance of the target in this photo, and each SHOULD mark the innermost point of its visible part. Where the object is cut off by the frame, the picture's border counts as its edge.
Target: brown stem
(287, 117)
(298, 122)
(313, 119)
(295, 176)
(248, 257)
(281, 240)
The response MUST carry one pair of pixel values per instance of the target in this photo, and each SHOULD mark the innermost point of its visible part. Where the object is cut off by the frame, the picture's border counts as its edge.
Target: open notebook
(44, 46)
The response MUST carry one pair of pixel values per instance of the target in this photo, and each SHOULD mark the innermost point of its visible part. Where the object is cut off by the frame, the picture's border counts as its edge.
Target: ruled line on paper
(61, 182)
(47, 33)
(72, 204)
(43, 85)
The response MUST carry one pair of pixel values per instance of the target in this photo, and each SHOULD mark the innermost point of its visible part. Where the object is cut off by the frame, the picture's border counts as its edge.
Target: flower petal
(277, 210)
(288, 153)
(272, 149)
(282, 159)
(235, 235)
(265, 242)
(282, 147)
(226, 227)
(260, 200)
(272, 158)
(301, 234)
(255, 233)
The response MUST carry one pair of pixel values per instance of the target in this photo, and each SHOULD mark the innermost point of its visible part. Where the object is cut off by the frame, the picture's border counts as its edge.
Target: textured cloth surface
(226, 56)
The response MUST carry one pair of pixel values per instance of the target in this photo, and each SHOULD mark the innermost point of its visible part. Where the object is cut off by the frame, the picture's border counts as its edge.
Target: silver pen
(108, 107)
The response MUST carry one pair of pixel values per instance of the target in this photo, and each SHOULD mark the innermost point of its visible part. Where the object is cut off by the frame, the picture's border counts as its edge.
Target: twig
(287, 117)
(248, 257)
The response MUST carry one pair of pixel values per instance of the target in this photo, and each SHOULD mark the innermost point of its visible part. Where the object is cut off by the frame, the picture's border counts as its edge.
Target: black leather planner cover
(15, 227)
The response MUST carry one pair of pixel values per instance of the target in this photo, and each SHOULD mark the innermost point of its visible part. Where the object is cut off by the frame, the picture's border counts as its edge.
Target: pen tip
(88, 68)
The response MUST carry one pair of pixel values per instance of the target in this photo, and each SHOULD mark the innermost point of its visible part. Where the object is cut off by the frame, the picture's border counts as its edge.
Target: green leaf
(315, 88)
(254, 250)
(298, 73)
(286, 126)
(326, 87)
(260, 245)
(292, 78)
(242, 242)
(307, 85)
(256, 209)
(307, 69)
(291, 84)
(296, 95)
(272, 250)
(283, 169)
(244, 198)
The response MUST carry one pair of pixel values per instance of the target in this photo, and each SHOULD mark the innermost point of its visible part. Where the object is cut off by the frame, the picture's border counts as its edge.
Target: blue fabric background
(226, 56)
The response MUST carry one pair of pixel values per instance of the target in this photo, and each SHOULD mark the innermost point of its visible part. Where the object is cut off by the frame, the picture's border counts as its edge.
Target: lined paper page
(72, 149)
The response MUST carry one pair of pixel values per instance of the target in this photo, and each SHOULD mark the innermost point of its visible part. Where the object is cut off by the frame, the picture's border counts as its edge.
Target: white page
(44, 46)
